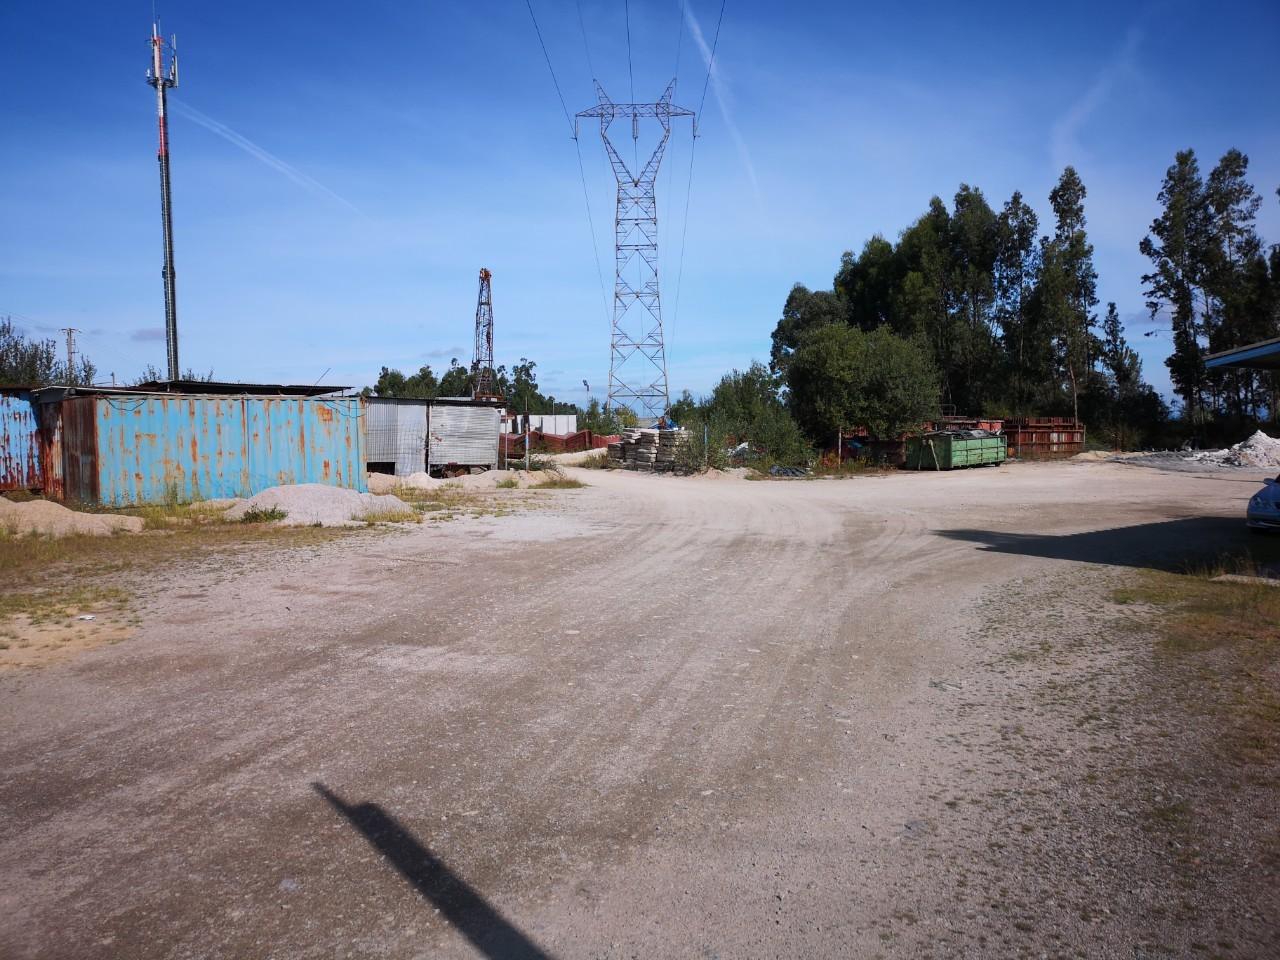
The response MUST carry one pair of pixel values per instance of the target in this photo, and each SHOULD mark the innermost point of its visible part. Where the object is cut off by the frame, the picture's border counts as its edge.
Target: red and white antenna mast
(162, 76)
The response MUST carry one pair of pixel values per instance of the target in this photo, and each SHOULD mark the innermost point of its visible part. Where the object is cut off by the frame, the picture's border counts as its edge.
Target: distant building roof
(1264, 355)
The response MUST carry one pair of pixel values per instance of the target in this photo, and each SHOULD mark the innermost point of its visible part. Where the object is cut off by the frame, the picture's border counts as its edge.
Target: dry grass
(1226, 636)
(41, 606)
(451, 502)
(33, 561)
(558, 481)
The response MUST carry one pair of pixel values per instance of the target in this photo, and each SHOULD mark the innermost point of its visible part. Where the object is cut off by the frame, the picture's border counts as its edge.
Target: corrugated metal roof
(1263, 355)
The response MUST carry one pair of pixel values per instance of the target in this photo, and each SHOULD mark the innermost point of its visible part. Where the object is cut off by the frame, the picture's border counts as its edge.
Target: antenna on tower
(163, 75)
(638, 357)
(482, 376)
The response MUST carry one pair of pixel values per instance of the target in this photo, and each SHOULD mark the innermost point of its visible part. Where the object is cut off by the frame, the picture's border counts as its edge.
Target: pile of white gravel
(1259, 450)
(48, 519)
(385, 483)
(308, 504)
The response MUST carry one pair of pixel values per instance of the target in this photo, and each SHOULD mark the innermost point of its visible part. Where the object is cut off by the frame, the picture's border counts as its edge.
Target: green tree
(1232, 267)
(35, 363)
(865, 285)
(1069, 285)
(923, 302)
(804, 310)
(1016, 273)
(1175, 246)
(422, 385)
(455, 382)
(841, 378)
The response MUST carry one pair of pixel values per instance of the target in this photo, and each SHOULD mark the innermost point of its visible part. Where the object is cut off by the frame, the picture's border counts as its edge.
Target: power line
(711, 62)
(679, 39)
(630, 74)
(585, 46)
(550, 69)
(586, 194)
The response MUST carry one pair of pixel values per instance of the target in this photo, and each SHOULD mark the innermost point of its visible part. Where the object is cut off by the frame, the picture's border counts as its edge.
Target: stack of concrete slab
(644, 453)
(670, 443)
(648, 449)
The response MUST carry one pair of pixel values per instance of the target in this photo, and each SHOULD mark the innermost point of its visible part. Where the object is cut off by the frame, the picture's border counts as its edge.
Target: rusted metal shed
(20, 466)
(122, 447)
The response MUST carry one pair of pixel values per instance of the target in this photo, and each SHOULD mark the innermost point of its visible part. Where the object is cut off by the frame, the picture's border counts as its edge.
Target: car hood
(1269, 494)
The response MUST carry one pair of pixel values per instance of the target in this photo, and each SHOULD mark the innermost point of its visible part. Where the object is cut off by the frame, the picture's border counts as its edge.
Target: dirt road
(656, 717)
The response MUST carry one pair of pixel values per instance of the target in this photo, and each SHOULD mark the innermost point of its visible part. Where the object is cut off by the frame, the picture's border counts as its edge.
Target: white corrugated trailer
(462, 432)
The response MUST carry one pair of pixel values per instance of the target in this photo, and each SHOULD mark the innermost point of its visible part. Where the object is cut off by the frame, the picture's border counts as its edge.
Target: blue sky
(373, 156)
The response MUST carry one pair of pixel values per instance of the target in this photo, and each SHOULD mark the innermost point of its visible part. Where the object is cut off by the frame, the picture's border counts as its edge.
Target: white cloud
(270, 159)
(723, 99)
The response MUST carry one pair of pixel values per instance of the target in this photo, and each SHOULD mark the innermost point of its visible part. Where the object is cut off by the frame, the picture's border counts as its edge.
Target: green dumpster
(951, 451)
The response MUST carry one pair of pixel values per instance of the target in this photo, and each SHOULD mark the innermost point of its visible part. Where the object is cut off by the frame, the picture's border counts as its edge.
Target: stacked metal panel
(396, 433)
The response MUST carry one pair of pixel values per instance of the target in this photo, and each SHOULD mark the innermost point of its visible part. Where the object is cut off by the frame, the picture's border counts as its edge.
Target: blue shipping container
(122, 449)
(20, 464)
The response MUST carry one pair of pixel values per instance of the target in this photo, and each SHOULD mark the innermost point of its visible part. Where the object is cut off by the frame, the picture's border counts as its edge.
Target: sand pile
(385, 483)
(490, 479)
(1259, 450)
(306, 504)
(54, 520)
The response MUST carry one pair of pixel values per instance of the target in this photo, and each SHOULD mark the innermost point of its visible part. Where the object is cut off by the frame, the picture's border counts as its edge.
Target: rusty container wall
(157, 449)
(20, 467)
(79, 449)
(1044, 438)
(49, 416)
(149, 448)
(297, 440)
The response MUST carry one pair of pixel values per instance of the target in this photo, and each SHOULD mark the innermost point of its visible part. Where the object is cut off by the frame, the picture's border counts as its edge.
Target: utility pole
(483, 387)
(163, 79)
(71, 350)
(638, 356)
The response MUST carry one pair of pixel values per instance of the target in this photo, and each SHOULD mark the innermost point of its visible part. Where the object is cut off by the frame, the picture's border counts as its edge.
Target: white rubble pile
(385, 483)
(49, 519)
(489, 479)
(308, 504)
(1259, 450)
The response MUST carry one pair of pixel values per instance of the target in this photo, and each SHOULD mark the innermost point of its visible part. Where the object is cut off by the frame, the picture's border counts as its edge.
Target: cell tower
(638, 356)
(482, 361)
(163, 80)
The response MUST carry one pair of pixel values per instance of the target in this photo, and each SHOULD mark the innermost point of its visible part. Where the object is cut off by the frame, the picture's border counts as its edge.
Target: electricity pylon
(638, 356)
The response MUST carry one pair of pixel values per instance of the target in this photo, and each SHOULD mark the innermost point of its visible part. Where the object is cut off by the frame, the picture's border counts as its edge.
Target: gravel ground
(658, 717)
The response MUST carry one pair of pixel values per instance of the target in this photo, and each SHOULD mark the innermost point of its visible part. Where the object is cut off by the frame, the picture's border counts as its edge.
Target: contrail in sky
(270, 159)
(721, 97)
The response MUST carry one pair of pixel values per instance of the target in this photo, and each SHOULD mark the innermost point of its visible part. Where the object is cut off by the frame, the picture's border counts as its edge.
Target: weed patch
(263, 515)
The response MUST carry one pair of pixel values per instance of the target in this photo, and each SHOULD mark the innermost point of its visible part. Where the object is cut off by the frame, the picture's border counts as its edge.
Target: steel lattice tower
(482, 358)
(638, 356)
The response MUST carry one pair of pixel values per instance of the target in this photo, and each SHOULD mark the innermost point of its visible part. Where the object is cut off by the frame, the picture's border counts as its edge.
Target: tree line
(978, 311)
